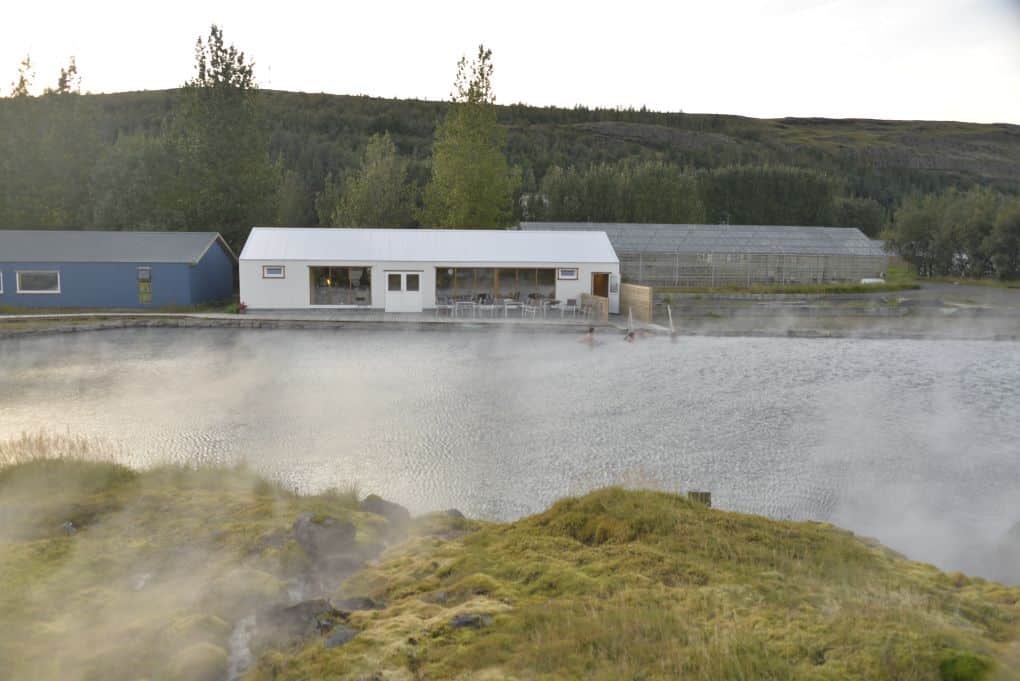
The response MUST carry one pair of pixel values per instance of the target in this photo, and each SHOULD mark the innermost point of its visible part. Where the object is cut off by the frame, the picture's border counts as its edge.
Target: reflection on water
(913, 442)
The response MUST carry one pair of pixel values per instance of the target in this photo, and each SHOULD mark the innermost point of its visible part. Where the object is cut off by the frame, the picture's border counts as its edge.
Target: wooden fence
(636, 300)
(599, 307)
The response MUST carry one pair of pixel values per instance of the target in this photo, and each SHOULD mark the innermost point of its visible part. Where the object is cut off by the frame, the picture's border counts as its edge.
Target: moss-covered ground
(614, 585)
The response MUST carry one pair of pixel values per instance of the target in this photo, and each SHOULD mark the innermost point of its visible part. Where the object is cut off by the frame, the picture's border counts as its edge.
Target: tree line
(222, 154)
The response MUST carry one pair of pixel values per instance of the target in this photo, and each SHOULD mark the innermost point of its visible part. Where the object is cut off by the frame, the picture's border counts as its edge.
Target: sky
(895, 59)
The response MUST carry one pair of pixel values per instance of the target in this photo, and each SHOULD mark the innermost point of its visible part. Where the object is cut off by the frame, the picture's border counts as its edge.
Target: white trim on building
(361, 260)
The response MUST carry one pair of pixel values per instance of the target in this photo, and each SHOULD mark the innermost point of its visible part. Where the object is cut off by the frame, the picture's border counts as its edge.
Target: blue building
(91, 269)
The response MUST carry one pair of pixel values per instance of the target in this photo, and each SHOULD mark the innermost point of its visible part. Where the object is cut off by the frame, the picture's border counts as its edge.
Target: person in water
(589, 336)
(630, 337)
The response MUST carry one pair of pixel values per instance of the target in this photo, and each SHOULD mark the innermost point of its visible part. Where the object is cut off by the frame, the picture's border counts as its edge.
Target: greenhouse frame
(675, 256)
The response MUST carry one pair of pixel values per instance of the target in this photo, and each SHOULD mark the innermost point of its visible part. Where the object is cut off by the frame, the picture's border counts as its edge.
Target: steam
(909, 441)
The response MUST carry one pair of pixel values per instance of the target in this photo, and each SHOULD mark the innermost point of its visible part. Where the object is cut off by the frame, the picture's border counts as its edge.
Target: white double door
(403, 291)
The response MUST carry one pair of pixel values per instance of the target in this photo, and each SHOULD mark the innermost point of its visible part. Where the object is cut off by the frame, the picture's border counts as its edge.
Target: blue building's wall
(212, 279)
(115, 285)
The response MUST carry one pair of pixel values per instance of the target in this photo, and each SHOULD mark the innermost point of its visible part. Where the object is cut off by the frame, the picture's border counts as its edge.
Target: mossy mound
(112, 574)
(627, 585)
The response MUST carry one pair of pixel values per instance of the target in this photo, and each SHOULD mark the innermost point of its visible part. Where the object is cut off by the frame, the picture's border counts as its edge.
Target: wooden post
(701, 498)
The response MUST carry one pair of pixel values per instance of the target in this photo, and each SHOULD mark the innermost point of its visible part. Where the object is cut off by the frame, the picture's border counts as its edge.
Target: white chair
(571, 307)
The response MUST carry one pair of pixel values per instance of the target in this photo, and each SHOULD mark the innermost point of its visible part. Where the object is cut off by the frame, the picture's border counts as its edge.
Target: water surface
(912, 442)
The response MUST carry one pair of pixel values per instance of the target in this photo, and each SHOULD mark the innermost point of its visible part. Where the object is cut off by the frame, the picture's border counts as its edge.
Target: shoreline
(863, 326)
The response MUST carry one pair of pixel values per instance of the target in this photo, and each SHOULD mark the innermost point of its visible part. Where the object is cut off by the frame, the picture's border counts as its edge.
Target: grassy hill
(109, 573)
(319, 133)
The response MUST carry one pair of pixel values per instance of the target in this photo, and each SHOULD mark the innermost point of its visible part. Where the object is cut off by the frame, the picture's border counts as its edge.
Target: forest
(220, 153)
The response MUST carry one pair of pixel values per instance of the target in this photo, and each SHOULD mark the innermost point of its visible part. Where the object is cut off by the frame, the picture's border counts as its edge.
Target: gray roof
(662, 238)
(43, 245)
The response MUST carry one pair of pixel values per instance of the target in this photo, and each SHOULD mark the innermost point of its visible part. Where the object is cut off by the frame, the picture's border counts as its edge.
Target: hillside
(63, 166)
(320, 133)
(175, 573)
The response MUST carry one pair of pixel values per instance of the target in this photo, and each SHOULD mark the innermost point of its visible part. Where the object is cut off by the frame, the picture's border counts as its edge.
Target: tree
(68, 82)
(226, 179)
(1004, 241)
(472, 184)
(20, 87)
(377, 195)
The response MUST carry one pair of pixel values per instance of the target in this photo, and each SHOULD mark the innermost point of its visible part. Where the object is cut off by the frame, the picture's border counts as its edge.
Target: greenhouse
(735, 255)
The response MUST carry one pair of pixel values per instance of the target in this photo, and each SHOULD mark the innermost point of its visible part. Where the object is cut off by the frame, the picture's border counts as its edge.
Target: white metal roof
(427, 245)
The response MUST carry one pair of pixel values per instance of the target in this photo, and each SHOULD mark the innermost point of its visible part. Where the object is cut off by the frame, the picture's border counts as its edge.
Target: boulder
(397, 515)
(340, 636)
(280, 625)
(323, 536)
(454, 513)
(470, 620)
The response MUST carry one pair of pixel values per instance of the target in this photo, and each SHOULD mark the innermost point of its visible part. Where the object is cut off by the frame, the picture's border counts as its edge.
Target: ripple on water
(909, 441)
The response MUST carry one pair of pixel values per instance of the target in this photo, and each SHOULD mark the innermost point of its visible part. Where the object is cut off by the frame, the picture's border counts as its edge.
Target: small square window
(144, 274)
(274, 272)
(412, 282)
(393, 282)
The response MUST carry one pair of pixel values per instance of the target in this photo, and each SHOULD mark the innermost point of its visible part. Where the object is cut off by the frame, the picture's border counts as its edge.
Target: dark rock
(472, 620)
(68, 528)
(281, 624)
(357, 603)
(395, 513)
(326, 536)
(340, 636)
(454, 513)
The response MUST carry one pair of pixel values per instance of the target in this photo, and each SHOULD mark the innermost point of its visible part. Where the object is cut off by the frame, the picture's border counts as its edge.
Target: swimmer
(629, 337)
(589, 336)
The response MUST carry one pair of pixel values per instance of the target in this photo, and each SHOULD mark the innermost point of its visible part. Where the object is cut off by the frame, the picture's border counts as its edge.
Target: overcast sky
(904, 59)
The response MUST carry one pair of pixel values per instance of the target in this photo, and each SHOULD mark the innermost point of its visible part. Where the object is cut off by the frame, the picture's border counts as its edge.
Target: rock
(326, 536)
(288, 622)
(472, 620)
(68, 528)
(454, 513)
(340, 636)
(395, 513)
(357, 603)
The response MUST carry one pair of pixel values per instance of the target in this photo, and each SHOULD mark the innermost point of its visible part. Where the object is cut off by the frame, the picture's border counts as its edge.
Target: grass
(616, 584)
(903, 274)
(629, 584)
(834, 288)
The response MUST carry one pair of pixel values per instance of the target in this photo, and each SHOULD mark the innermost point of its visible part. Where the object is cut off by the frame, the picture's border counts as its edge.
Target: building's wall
(106, 285)
(294, 290)
(212, 279)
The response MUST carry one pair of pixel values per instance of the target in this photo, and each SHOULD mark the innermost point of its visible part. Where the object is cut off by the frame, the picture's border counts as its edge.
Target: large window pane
(464, 282)
(484, 280)
(444, 284)
(38, 282)
(341, 285)
(547, 283)
(507, 283)
(528, 283)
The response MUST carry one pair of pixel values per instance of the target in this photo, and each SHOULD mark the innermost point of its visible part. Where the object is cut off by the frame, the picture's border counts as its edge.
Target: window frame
(282, 275)
(20, 291)
(1, 282)
(564, 273)
(143, 269)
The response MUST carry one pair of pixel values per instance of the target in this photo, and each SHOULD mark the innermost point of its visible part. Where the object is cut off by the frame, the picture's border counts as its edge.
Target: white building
(410, 270)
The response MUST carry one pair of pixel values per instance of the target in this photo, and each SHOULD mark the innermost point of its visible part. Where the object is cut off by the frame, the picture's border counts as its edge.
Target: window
(274, 272)
(566, 273)
(393, 282)
(144, 274)
(412, 282)
(1, 282)
(38, 282)
(340, 285)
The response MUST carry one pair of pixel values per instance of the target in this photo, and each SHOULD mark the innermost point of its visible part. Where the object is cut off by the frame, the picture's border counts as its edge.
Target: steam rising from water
(913, 442)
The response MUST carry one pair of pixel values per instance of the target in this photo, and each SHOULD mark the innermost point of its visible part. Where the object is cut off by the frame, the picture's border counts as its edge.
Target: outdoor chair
(572, 307)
